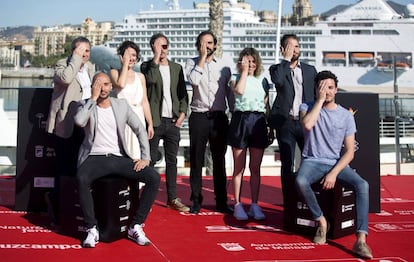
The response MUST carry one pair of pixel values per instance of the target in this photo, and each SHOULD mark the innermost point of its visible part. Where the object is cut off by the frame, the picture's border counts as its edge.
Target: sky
(55, 12)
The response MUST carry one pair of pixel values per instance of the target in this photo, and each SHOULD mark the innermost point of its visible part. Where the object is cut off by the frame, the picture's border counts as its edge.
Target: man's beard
(295, 57)
(210, 52)
(104, 96)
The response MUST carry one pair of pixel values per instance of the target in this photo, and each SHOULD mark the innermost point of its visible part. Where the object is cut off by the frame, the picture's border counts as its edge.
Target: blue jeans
(312, 171)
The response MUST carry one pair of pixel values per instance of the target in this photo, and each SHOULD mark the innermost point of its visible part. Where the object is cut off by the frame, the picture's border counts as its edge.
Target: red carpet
(211, 236)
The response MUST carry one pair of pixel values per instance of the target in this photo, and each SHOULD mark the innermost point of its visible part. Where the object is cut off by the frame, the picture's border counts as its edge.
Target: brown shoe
(362, 250)
(177, 205)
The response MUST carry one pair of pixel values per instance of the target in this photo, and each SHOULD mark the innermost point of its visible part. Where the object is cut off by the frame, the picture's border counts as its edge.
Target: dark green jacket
(155, 94)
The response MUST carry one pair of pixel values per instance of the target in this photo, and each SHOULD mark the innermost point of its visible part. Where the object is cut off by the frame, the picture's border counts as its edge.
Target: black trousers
(170, 134)
(287, 136)
(98, 166)
(208, 127)
(66, 150)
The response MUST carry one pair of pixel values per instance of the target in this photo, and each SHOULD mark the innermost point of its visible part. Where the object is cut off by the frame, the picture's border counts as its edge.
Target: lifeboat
(401, 66)
(385, 67)
(334, 56)
(362, 57)
(389, 67)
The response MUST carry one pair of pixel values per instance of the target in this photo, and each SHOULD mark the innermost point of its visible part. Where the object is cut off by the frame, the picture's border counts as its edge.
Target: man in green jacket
(168, 99)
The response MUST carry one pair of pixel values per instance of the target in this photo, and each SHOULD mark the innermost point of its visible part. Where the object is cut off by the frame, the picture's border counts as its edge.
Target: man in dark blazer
(294, 83)
(168, 99)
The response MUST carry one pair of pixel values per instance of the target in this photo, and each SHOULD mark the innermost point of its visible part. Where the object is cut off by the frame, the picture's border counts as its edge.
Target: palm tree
(217, 23)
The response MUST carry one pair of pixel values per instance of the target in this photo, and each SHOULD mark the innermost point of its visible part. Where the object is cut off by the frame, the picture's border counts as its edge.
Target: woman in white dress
(130, 85)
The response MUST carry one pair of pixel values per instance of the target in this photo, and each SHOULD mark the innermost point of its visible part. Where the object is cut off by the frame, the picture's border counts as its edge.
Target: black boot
(195, 208)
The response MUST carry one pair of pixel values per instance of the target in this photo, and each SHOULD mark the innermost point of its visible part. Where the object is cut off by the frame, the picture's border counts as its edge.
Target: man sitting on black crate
(103, 153)
(329, 132)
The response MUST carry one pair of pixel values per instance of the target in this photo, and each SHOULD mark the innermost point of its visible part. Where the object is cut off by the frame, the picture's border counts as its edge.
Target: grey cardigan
(86, 117)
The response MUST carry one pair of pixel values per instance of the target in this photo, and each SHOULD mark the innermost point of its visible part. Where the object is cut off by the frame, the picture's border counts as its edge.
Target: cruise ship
(361, 44)
(367, 44)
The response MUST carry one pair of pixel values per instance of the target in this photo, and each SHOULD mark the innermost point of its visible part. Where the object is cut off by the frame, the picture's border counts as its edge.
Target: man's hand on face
(96, 89)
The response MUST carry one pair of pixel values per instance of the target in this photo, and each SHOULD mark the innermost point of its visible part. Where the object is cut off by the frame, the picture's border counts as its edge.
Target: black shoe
(195, 208)
(225, 209)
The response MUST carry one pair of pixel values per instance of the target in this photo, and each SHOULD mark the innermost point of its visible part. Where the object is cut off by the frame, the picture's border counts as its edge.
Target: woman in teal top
(248, 128)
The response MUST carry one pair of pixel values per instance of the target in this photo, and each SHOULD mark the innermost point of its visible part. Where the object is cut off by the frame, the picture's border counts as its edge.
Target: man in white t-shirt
(103, 152)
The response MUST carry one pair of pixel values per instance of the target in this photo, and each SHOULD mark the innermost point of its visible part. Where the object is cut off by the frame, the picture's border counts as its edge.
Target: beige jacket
(67, 92)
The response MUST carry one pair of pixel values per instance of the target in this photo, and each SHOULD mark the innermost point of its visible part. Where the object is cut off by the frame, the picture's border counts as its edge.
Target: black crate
(112, 200)
(338, 206)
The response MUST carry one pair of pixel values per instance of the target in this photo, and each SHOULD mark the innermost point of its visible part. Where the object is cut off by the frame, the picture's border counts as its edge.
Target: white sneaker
(92, 238)
(137, 234)
(256, 212)
(239, 212)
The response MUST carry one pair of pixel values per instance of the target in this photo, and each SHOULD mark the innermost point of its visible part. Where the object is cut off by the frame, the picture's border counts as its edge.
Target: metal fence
(388, 128)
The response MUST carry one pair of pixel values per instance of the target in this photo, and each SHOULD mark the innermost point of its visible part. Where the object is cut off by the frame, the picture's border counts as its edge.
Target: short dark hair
(286, 37)
(156, 36)
(80, 39)
(322, 75)
(128, 44)
(207, 32)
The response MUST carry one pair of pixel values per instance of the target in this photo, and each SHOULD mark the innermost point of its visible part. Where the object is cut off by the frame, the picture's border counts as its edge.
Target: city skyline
(56, 12)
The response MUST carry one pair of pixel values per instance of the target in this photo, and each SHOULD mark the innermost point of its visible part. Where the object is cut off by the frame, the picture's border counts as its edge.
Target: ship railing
(388, 128)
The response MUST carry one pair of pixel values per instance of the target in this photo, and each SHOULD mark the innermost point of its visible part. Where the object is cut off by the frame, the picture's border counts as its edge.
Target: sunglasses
(164, 46)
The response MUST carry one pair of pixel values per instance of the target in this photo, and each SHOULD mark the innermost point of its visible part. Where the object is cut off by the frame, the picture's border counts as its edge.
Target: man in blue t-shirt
(329, 132)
